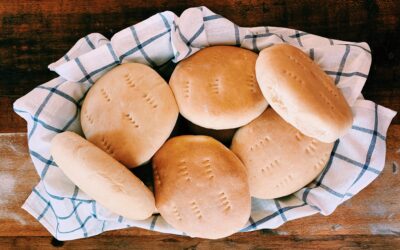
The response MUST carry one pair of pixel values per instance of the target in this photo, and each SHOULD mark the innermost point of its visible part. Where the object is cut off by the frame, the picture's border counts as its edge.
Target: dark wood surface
(237, 242)
(36, 33)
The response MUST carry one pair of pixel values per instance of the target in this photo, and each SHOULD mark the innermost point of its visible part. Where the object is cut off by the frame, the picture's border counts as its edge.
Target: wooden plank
(9, 120)
(375, 211)
(238, 241)
(17, 178)
(35, 33)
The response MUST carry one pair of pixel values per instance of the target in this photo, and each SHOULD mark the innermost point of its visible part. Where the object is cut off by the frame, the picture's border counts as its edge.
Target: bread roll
(302, 94)
(101, 177)
(129, 113)
(216, 88)
(279, 159)
(201, 187)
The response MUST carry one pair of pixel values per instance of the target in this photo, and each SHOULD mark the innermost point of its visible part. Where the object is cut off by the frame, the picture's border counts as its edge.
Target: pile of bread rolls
(202, 187)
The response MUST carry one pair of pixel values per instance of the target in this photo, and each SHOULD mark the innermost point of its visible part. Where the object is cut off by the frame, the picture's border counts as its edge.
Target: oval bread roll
(216, 88)
(129, 113)
(101, 177)
(302, 93)
(201, 187)
(279, 159)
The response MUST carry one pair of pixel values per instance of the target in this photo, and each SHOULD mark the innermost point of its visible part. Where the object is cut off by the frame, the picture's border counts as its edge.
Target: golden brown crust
(129, 113)
(279, 159)
(201, 187)
(302, 93)
(101, 177)
(216, 88)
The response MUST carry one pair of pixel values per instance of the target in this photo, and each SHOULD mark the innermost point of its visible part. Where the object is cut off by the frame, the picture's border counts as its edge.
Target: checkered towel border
(68, 213)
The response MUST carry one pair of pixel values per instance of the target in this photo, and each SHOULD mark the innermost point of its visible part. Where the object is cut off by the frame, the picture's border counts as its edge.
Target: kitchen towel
(161, 40)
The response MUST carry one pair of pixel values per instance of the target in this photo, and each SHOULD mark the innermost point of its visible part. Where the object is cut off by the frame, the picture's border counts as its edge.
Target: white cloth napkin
(68, 213)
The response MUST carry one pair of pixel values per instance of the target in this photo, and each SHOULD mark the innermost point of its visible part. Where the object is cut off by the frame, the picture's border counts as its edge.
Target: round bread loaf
(129, 113)
(102, 177)
(201, 187)
(216, 88)
(279, 158)
(302, 93)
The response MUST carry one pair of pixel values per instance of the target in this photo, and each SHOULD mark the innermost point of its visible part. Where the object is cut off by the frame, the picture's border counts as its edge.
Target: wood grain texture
(36, 33)
(239, 242)
(17, 178)
(368, 213)
(9, 120)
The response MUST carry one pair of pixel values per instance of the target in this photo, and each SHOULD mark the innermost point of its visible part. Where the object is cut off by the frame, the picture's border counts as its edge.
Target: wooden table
(36, 33)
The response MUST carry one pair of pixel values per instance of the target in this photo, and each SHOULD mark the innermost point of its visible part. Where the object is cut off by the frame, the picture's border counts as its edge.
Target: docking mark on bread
(251, 82)
(88, 117)
(327, 101)
(196, 210)
(328, 86)
(183, 170)
(327, 83)
(292, 75)
(223, 199)
(106, 145)
(176, 213)
(297, 61)
(285, 181)
(260, 143)
(311, 148)
(299, 136)
(215, 86)
(129, 81)
(186, 89)
(130, 118)
(270, 166)
(105, 95)
(208, 169)
(321, 162)
(156, 175)
(150, 100)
